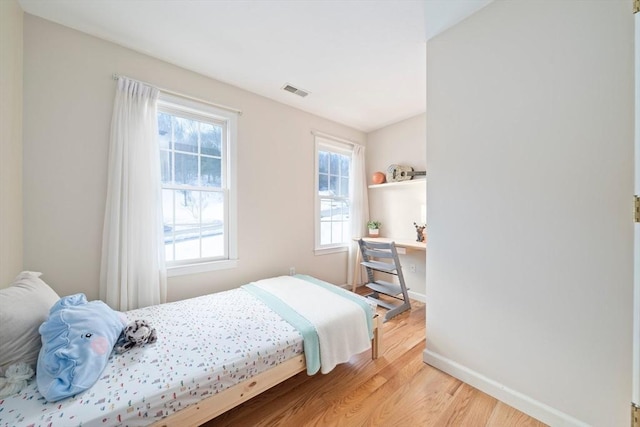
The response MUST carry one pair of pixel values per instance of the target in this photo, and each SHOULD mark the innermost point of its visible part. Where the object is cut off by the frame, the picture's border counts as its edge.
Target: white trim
(203, 267)
(176, 104)
(522, 402)
(333, 145)
(333, 250)
(418, 297)
(195, 107)
(321, 143)
(232, 186)
(333, 138)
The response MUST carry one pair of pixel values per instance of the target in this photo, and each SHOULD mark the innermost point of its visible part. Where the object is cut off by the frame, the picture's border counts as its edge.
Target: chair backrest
(377, 249)
(374, 251)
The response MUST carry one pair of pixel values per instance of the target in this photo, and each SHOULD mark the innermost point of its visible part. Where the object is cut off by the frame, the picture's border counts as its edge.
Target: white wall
(68, 102)
(11, 22)
(398, 207)
(401, 143)
(530, 160)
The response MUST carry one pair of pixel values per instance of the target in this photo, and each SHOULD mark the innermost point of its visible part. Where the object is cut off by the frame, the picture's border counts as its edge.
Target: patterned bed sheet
(205, 345)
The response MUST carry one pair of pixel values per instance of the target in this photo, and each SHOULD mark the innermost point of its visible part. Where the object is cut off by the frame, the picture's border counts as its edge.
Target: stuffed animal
(77, 340)
(138, 332)
(15, 379)
(420, 231)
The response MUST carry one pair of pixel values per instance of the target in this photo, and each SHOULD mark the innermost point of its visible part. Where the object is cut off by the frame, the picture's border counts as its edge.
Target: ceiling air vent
(295, 90)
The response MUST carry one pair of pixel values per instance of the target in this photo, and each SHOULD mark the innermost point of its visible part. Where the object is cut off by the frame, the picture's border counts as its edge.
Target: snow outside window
(197, 164)
(333, 166)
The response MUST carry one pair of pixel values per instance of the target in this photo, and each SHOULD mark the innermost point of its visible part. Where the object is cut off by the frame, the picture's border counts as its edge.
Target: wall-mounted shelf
(403, 183)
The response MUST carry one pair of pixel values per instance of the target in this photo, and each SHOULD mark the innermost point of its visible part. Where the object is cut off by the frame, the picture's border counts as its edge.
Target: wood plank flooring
(397, 389)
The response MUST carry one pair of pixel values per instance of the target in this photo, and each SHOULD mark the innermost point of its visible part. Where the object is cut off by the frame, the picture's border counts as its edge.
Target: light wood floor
(397, 389)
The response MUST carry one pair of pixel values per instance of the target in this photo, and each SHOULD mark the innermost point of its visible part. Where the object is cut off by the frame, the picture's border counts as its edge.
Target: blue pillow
(77, 340)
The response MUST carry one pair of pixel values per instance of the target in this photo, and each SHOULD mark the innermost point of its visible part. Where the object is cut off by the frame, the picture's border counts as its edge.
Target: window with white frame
(197, 154)
(333, 199)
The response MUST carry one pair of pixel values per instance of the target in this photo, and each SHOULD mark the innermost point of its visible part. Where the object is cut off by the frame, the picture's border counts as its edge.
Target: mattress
(205, 345)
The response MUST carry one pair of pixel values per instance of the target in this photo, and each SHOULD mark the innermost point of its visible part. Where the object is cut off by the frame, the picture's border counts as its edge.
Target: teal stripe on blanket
(306, 328)
(349, 295)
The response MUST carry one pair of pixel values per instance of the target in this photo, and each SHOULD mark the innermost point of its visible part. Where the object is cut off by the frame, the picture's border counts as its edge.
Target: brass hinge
(636, 6)
(635, 415)
(636, 202)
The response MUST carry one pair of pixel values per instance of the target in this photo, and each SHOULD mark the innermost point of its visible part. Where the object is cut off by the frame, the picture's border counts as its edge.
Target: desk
(406, 244)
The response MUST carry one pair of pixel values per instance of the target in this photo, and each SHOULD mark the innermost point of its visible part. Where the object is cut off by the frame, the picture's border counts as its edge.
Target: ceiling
(363, 61)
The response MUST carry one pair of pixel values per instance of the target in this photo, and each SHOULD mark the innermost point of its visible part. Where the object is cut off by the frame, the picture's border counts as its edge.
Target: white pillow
(24, 305)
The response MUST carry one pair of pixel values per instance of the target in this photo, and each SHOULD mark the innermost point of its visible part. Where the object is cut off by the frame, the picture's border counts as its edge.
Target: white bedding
(205, 345)
(329, 313)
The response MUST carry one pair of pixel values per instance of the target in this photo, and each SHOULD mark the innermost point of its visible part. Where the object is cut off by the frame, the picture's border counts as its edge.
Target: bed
(213, 353)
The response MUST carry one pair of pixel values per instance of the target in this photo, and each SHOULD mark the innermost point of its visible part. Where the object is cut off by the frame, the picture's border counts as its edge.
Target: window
(333, 199)
(197, 157)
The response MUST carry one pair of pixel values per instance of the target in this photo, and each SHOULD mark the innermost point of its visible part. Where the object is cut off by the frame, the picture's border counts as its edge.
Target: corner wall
(11, 23)
(530, 158)
(398, 207)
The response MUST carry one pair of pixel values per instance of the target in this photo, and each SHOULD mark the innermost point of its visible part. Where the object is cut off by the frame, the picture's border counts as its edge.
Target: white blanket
(341, 324)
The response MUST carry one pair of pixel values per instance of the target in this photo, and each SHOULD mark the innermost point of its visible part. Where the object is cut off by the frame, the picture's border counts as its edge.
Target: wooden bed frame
(209, 408)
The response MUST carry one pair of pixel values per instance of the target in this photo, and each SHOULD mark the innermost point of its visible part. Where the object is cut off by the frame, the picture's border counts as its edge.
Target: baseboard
(522, 402)
(418, 297)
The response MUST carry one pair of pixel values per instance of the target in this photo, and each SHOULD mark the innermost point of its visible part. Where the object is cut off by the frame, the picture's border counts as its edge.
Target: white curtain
(133, 272)
(359, 206)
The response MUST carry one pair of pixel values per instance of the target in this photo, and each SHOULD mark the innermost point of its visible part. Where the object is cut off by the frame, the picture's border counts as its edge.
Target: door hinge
(635, 415)
(636, 204)
(636, 6)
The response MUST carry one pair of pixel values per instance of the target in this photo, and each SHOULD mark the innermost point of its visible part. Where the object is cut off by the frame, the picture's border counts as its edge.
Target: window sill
(327, 251)
(183, 270)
